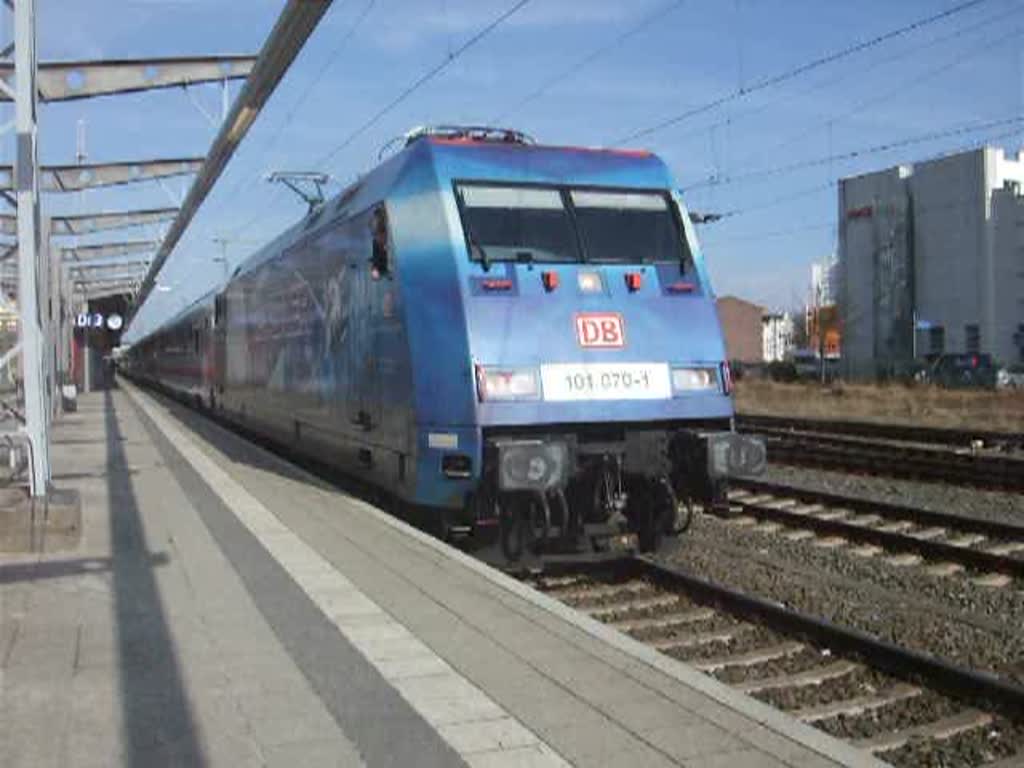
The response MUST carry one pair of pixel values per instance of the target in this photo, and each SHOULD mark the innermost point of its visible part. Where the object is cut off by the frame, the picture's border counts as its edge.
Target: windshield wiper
(477, 251)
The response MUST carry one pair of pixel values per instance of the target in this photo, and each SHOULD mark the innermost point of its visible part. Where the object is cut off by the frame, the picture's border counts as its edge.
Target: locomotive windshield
(518, 223)
(626, 226)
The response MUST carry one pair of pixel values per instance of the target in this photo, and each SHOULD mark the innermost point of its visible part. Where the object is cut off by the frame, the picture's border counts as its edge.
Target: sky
(580, 72)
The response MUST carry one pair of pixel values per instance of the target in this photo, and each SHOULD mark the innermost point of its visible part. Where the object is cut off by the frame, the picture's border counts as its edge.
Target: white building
(776, 336)
(938, 246)
(824, 282)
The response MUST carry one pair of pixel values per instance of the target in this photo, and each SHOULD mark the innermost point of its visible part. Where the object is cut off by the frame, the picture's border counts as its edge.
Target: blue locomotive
(520, 338)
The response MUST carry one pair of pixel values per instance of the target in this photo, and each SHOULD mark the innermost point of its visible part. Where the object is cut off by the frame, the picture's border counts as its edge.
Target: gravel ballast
(950, 617)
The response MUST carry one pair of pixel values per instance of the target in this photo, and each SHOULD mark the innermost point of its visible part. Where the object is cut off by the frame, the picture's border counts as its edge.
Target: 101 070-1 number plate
(606, 381)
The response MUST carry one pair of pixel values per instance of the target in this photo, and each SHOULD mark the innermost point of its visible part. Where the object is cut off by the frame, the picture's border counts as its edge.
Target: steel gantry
(29, 240)
(75, 178)
(67, 80)
(42, 282)
(107, 250)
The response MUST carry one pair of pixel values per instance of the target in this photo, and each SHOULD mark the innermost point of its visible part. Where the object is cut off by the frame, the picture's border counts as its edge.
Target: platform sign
(113, 322)
(87, 320)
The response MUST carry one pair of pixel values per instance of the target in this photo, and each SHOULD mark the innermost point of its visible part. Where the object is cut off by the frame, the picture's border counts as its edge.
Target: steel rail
(834, 451)
(906, 432)
(891, 540)
(993, 528)
(960, 682)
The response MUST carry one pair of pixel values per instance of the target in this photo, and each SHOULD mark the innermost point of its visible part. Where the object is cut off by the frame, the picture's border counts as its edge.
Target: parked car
(963, 370)
(807, 364)
(1011, 377)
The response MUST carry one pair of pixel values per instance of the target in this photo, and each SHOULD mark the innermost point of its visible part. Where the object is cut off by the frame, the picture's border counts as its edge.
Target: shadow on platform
(159, 728)
(58, 569)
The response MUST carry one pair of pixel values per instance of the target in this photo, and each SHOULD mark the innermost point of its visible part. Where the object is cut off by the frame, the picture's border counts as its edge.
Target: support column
(49, 297)
(32, 341)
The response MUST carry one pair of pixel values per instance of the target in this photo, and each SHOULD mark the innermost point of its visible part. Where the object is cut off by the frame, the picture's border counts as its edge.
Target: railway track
(989, 552)
(886, 457)
(902, 432)
(904, 706)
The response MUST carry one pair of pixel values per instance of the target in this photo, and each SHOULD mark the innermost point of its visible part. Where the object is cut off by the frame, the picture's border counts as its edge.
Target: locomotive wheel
(684, 516)
(676, 515)
(512, 532)
(644, 515)
(540, 521)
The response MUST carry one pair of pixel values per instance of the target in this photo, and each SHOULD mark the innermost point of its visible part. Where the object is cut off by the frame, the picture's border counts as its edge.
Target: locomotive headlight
(702, 379)
(590, 282)
(494, 383)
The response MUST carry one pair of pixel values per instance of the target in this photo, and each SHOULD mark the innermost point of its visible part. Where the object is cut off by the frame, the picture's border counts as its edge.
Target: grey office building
(931, 260)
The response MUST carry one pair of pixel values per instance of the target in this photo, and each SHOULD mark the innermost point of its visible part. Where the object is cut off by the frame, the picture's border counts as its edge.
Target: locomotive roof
(466, 159)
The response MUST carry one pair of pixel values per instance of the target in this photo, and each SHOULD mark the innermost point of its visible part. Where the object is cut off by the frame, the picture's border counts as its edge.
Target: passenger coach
(520, 338)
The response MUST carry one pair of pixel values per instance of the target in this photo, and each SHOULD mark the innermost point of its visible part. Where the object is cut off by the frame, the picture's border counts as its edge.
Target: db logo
(600, 329)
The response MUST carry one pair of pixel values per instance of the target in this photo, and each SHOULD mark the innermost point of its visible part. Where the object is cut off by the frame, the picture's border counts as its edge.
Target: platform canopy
(98, 265)
(84, 224)
(67, 80)
(101, 222)
(73, 178)
(107, 250)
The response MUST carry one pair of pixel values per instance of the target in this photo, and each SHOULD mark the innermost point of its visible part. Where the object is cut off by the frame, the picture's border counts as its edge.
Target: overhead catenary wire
(854, 154)
(272, 140)
(797, 71)
(713, 242)
(918, 210)
(588, 59)
(985, 47)
(329, 62)
(975, 144)
(423, 79)
(956, 34)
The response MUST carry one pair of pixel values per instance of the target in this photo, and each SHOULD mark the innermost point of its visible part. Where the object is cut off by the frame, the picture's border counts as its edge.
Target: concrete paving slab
(487, 735)
(330, 753)
(356, 545)
(685, 742)
(350, 628)
(112, 649)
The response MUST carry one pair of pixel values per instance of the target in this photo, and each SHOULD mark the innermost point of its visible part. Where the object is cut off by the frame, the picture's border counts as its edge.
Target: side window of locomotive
(380, 258)
(628, 227)
(505, 223)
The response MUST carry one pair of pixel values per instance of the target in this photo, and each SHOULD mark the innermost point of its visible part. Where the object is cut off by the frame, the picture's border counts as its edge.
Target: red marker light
(633, 281)
(550, 280)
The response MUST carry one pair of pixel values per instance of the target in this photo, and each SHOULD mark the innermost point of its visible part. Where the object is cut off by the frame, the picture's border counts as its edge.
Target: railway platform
(223, 607)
